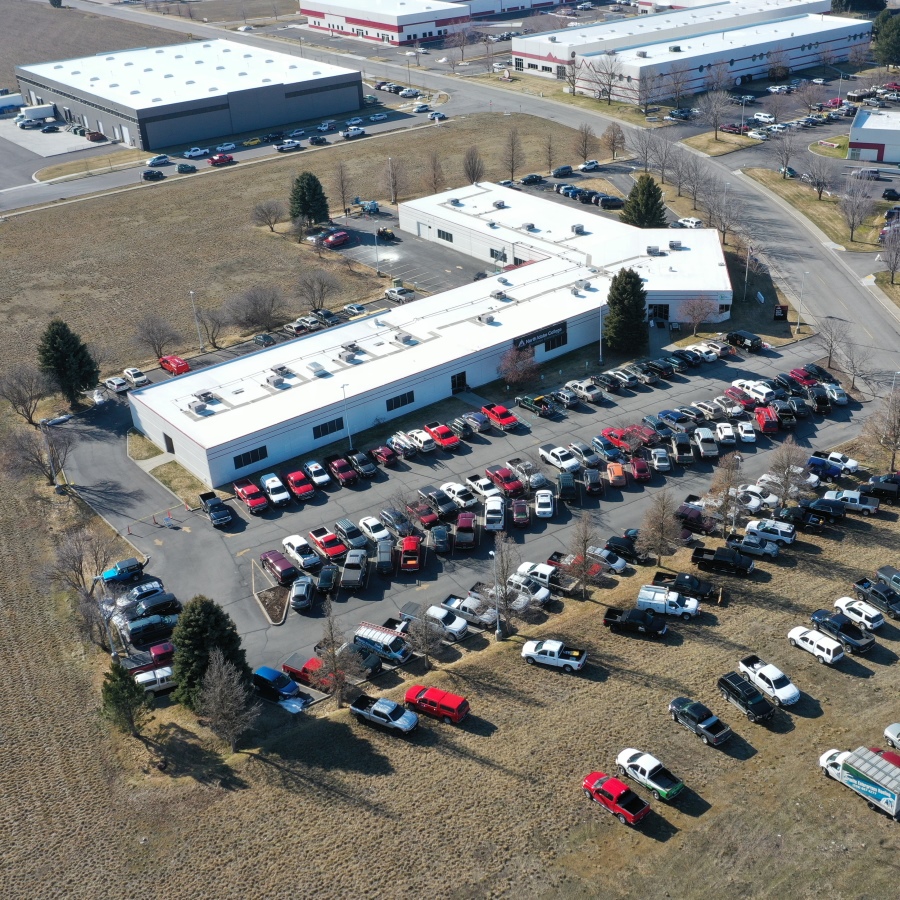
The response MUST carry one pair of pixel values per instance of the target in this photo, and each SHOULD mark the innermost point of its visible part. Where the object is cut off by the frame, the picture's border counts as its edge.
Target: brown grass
(37, 33)
(839, 152)
(726, 143)
(883, 280)
(140, 446)
(93, 165)
(238, 11)
(824, 213)
(179, 481)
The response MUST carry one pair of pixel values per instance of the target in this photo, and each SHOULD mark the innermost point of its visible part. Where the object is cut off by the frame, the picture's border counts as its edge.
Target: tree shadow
(180, 753)
(109, 495)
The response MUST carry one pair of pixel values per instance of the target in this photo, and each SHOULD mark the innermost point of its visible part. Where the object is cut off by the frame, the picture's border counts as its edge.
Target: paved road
(193, 558)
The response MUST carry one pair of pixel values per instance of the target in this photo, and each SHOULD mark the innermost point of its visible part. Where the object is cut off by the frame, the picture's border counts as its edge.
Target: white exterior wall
(875, 136)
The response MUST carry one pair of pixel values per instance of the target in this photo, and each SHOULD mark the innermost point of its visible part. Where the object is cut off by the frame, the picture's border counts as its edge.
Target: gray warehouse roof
(157, 76)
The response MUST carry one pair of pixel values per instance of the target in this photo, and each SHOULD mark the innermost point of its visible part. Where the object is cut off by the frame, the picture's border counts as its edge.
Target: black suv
(802, 519)
(820, 374)
(153, 175)
(890, 194)
(611, 203)
(818, 397)
(608, 382)
(158, 605)
(830, 510)
(838, 626)
(790, 385)
(624, 547)
(399, 525)
(661, 367)
(532, 179)
(745, 697)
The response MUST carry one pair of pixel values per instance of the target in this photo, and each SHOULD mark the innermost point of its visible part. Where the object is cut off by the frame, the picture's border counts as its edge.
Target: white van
(765, 118)
(866, 174)
(156, 680)
(760, 392)
(825, 649)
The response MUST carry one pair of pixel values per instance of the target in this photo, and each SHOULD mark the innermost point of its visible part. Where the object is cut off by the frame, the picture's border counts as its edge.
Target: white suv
(780, 533)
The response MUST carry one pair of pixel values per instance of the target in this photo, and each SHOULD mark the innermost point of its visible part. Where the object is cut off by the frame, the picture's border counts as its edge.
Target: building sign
(539, 337)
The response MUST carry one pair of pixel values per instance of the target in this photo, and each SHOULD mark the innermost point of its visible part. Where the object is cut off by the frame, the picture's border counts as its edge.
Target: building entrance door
(458, 383)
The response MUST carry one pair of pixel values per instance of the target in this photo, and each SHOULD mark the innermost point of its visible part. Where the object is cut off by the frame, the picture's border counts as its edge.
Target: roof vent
(575, 290)
(274, 380)
(498, 294)
(674, 245)
(283, 371)
(499, 204)
(205, 396)
(578, 229)
(317, 369)
(552, 38)
(653, 251)
(641, 53)
(675, 48)
(346, 356)
(485, 318)
(527, 226)
(196, 406)
(455, 201)
(492, 224)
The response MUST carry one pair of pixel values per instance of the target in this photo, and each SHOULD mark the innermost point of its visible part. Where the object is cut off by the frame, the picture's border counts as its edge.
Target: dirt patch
(726, 143)
(274, 601)
(141, 447)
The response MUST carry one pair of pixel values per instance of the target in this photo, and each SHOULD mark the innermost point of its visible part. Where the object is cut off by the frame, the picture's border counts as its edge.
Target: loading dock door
(126, 136)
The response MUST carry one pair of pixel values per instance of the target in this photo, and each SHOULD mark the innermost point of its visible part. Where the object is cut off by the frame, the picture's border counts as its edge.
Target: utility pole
(800, 308)
(197, 322)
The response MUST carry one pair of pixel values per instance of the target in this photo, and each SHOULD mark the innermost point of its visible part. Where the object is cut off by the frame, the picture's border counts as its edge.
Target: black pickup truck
(362, 464)
(683, 583)
(641, 621)
(219, 514)
(699, 719)
(745, 697)
(838, 626)
(724, 560)
(878, 595)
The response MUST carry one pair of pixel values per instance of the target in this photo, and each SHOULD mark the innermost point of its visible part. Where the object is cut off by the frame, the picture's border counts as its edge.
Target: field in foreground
(491, 808)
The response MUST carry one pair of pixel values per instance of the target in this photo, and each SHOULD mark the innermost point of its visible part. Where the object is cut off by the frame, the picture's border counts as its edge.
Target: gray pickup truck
(699, 719)
(217, 512)
(385, 713)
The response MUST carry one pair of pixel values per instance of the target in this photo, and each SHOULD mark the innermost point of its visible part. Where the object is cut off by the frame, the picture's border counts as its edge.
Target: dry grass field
(65, 34)
(725, 143)
(492, 808)
(104, 261)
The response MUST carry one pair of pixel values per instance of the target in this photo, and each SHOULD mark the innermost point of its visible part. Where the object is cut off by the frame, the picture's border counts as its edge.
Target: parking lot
(193, 558)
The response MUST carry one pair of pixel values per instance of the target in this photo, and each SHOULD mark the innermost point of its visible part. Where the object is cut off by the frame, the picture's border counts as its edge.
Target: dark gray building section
(196, 121)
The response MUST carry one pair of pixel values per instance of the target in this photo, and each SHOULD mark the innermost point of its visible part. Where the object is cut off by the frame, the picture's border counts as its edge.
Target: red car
(410, 556)
(743, 399)
(336, 239)
(383, 456)
(299, 485)
(439, 704)
(615, 797)
(508, 484)
(220, 159)
(521, 513)
(423, 512)
(616, 436)
(640, 471)
(802, 376)
(464, 534)
(174, 365)
(251, 495)
(637, 435)
(341, 470)
(306, 674)
(500, 416)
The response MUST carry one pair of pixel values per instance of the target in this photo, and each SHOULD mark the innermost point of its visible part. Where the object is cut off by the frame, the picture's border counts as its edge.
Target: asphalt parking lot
(193, 558)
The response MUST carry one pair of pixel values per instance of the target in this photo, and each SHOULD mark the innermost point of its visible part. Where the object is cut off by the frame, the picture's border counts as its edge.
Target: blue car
(274, 685)
(125, 570)
(825, 470)
(606, 450)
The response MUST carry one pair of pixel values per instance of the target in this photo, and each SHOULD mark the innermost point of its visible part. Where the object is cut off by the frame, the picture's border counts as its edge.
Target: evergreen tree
(880, 21)
(624, 326)
(64, 357)
(644, 207)
(887, 49)
(202, 627)
(308, 201)
(125, 703)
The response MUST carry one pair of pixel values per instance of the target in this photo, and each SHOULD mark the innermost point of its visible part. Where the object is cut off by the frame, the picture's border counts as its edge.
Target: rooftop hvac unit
(575, 290)
(492, 224)
(498, 294)
(274, 381)
(611, 52)
(196, 406)
(401, 337)
(503, 280)
(552, 39)
(283, 371)
(674, 245)
(352, 346)
(652, 251)
(317, 369)
(582, 285)
(205, 396)
(528, 226)
(455, 201)
(485, 318)
(641, 53)
(578, 229)
(346, 356)
(499, 204)
(675, 48)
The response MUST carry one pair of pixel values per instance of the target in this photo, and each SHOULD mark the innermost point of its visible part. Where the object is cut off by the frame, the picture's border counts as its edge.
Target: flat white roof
(436, 8)
(876, 119)
(736, 39)
(157, 76)
(432, 331)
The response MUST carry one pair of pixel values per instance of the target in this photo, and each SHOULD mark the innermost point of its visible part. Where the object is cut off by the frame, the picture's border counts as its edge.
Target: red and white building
(393, 22)
(875, 136)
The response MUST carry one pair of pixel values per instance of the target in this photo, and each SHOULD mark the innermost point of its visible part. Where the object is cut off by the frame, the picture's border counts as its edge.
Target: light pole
(197, 322)
(725, 195)
(743, 104)
(347, 418)
(499, 632)
(800, 308)
(747, 270)
(894, 382)
(840, 85)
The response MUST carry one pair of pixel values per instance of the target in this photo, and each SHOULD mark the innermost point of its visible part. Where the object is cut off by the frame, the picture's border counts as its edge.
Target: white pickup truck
(554, 653)
(559, 458)
(473, 609)
(665, 602)
(352, 132)
(770, 680)
(481, 487)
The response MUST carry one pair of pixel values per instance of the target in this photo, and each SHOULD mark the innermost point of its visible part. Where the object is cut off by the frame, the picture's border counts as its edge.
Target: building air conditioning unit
(401, 337)
(274, 381)
(499, 204)
(641, 53)
(528, 226)
(283, 371)
(653, 251)
(205, 396)
(674, 245)
(578, 229)
(196, 406)
(485, 318)
(317, 369)
(582, 285)
(455, 201)
(492, 224)
(352, 346)
(498, 294)
(575, 290)
(611, 52)
(675, 48)
(552, 38)
(346, 356)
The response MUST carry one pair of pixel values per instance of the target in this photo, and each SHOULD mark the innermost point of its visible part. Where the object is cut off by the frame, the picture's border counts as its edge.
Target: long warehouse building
(160, 97)
(231, 419)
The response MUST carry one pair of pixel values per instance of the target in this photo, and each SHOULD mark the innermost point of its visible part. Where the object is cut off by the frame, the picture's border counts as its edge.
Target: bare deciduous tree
(584, 536)
(723, 488)
(648, 89)
(856, 362)
(856, 204)
(714, 107)
(339, 666)
(425, 637)
(505, 559)
(724, 214)
(787, 464)
(571, 75)
(155, 334)
(784, 147)
(453, 63)
(663, 153)
(642, 143)
(882, 427)
(890, 251)
(777, 105)
(28, 453)
(518, 367)
(679, 163)
(695, 176)
(212, 321)
(680, 75)
(820, 170)
(23, 387)
(433, 176)
(833, 334)
(584, 143)
(226, 703)
(269, 213)
(512, 154)
(460, 40)
(549, 150)
(613, 140)
(316, 287)
(718, 78)
(342, 185)
(858, 56)
(604, 73)
(779, 64)
(809, 94)
(473, 165)
(394, 177)
(80, 557)
(660, 531)
(697, 310)
(258, 307)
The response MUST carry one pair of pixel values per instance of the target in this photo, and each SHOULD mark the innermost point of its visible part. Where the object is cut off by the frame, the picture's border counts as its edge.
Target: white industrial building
(232, 419)
(160, 97)
(740, 39)
(875, 135)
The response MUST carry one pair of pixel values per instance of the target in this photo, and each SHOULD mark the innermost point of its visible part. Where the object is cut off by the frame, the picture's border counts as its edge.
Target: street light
(347, 418)
(725, 195)
(197, 322)
(499, 632)
(800, 307)
(747, 269)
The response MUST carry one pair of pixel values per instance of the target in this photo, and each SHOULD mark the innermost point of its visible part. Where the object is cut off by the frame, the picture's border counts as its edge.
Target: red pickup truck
(615, 797)
(500, 416)
(299, 485)
(509, 485)
(617, 437)
(326, 543)
(437, 703)
(410, 554)
(341, 470)
(251, 495)
(442, 436)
